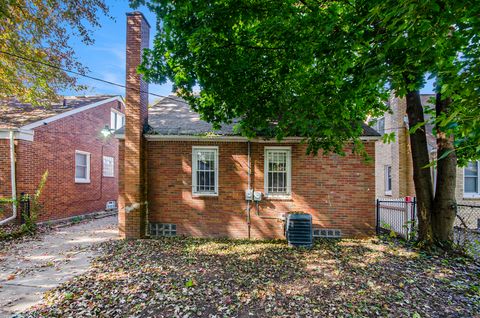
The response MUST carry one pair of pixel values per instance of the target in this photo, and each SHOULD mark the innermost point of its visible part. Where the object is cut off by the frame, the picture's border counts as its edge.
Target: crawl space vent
(327, 233)
(163, 229)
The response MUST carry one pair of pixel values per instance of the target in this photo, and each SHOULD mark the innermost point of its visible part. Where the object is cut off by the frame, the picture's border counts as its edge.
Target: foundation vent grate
(163, 229)
(327, 233)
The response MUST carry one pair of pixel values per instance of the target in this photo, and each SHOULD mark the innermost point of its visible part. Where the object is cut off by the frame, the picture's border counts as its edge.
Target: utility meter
(249, 195)
(257, 196)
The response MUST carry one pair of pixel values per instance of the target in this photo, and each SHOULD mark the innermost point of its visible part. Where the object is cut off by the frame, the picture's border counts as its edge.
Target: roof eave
(71, 112)
(223, 138)
(19, 134)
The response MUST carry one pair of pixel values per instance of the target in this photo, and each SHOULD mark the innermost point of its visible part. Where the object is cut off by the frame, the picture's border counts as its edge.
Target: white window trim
(194, 172)
(113, 110)
(87, 179)
(103, 167)
(288, 195)
(472, 195)
(385, 171)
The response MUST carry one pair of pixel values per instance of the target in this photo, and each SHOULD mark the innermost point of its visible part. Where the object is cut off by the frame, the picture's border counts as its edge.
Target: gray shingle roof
(173, 116)
(14, 114)
(369, 131)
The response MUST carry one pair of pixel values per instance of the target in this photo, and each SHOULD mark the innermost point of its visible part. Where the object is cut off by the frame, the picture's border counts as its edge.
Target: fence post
(24, 206)
(413, 213)
(406, 223)
(377, 214)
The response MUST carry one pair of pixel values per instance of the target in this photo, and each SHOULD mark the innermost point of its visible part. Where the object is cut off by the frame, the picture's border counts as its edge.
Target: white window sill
(199, 195)
(82, 180)
(471, 196)
(389, 193)
(278, 197)
(109, 176)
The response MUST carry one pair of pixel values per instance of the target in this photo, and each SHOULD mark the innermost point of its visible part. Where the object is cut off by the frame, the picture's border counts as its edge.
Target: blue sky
(106, 58)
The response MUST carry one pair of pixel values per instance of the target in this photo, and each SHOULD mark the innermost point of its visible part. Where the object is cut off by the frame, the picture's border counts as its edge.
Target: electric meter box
(249, 195)
(257, 196)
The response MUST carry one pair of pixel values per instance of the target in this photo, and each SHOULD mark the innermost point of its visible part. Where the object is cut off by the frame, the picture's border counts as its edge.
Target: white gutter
(153, 137)
(12, 180)
(195, 138)
(19, 134)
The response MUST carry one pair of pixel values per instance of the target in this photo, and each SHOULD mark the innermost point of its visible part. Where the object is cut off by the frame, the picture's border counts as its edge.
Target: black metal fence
(23, 207)
(397, 215)
(6, 209)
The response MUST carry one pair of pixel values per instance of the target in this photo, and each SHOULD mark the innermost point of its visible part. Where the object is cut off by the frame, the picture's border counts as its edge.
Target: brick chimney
(132, 186)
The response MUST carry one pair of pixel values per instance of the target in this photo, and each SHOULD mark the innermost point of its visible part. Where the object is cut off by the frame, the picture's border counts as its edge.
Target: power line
(86, 76)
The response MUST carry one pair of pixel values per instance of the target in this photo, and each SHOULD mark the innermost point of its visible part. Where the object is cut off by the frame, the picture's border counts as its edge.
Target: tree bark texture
(444, 206)
(421, 173)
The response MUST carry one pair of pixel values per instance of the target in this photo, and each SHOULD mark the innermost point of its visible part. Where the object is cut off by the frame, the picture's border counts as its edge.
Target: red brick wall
(53, 149)
(338, 191)
(5, 189)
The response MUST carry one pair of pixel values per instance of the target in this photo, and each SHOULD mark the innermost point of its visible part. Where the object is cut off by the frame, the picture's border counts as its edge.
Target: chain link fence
(467, 229)
(400, 216)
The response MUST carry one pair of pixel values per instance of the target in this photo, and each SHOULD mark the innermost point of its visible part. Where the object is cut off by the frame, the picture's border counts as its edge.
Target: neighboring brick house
(181, 178)
(393, 162)
(66, 140)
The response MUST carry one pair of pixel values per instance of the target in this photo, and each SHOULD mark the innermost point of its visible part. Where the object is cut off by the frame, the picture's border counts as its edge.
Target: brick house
(178, 177)
(393, 162)
(66, 140)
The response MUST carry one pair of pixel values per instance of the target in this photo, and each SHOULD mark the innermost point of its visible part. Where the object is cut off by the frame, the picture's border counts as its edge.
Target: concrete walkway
(28, 269)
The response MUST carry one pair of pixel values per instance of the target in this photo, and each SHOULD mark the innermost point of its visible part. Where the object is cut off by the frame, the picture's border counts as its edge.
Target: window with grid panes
(277, 171)
(82, 167)
(205, 170)
(108, 166)
(471, 180)
(388, 180)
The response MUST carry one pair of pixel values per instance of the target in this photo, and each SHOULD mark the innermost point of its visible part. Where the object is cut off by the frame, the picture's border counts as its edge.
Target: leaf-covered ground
(11, 234)
(180, 277)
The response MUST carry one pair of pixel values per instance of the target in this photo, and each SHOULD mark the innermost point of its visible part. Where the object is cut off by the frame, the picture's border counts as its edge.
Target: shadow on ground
(182, 277)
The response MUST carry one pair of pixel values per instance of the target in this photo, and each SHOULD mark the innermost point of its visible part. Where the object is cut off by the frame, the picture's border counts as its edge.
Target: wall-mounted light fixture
(106, 131)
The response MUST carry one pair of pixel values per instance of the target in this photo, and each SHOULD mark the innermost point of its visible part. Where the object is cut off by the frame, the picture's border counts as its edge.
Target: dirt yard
(180, 277)
(29, 267)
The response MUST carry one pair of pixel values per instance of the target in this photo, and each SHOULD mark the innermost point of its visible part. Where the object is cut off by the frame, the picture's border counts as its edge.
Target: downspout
(12, 179)
(248, 188)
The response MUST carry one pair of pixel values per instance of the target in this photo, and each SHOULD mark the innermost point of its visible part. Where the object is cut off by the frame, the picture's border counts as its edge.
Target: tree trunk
(444, 204)
(421, 174)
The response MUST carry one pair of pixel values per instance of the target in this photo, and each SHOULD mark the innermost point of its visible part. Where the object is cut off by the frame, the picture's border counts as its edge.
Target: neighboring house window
(205, 170)
(471, 180)
(82, 167)
(381, 126)
(277, 171)
(117, 119)
(388, 180)
(108, 166)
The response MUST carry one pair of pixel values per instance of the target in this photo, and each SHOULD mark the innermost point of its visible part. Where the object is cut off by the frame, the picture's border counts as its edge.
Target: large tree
(34, 36)
(412, 39)
(319, 69)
